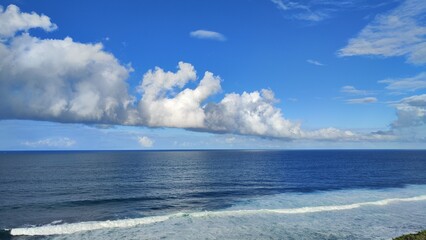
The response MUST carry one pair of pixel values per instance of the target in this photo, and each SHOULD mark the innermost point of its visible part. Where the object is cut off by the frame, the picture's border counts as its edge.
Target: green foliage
(416, 236)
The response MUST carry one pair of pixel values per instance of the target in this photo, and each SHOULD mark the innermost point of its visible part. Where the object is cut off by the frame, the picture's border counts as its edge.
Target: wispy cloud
(301, 11)
(361, 100)
(315, 62)
(400, 32)
(51, 142)
(145, 141)
(319, 10)
(205, 34)
(354, 91)
(406, 84)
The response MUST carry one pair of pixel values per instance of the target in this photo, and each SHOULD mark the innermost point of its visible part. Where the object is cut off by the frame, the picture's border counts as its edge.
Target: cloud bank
(66, 81)
(58, 142)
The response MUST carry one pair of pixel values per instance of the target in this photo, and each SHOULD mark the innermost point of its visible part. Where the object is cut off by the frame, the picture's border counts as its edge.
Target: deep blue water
(38, 188)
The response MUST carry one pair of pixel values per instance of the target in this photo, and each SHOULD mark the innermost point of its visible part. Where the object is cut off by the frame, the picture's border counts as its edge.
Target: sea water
(340, 194)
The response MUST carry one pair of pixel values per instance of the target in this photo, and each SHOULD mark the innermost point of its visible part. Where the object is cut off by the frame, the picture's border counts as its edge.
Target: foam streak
(69, 228)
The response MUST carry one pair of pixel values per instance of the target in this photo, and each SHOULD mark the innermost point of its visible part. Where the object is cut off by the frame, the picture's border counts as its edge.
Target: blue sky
(281, 74)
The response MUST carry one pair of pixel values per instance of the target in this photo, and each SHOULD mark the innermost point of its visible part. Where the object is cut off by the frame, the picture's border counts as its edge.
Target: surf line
(69, 228)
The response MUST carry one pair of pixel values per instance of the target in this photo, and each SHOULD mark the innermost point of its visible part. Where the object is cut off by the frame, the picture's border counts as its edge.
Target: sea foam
(70, 228)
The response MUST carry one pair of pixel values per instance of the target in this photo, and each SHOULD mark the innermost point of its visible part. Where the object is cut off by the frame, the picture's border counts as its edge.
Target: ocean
(217, 194)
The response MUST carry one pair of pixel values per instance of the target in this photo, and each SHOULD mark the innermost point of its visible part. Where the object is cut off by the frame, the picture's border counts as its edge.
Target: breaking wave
(70, 228)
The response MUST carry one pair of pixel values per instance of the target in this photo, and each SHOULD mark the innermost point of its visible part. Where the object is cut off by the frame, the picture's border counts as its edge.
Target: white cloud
(362, 100)
(250, 113)
(51, 142)
(65, 81)
(301, 11)
(410, 124)
(314, 62)
(400, 32)
(145, 141)
(411, 111)
(354, 91)
(319, 10)
(61, 80)
(12, 21)
(406, 84)
(160, 106)
(167, 103)
(205, 34)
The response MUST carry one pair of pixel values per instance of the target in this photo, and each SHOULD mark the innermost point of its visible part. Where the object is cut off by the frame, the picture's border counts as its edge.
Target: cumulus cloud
(60, 80)
(205, 34)
(145, 141)
(400, 32)
(314, 62)
(66, 81)
(159, 107)
(406, 84)
(361, 100)
(12, 21)
(411, 111)
(51, 142)
(411, 118)
(250, 113)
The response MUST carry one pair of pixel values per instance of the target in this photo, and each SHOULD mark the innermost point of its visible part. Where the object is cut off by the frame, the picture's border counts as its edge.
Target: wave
(69, 228)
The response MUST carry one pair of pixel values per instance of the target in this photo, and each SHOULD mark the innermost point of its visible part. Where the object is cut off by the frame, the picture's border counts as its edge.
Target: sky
(245, 74)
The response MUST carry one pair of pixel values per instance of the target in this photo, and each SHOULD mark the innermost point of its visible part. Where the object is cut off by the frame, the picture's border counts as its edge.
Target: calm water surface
(57, 188)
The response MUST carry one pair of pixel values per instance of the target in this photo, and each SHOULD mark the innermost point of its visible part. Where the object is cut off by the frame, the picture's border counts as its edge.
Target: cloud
(230, 140)
(300, 11)
(62, 80)
(411, 111)
(160, 106)
(362, 100)
(316, 11)
(205, 34)
(400, 32)
(314, 62)
(51, 142)
(145, 141)
(354, 91)
(406, 84)
(166, 102)
(12, 21)
(251, 114)
(410, 124)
